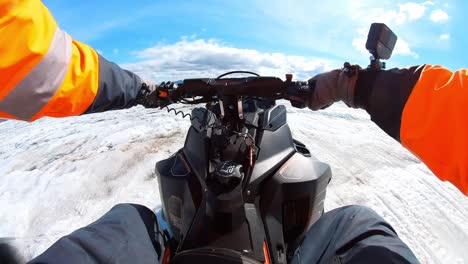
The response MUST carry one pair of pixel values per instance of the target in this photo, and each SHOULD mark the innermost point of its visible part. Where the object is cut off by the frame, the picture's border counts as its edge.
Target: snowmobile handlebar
(219, 88)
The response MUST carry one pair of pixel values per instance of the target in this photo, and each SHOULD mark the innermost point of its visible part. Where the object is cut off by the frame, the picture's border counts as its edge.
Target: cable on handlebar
(234, 72)
(176, 112)
(184, 115)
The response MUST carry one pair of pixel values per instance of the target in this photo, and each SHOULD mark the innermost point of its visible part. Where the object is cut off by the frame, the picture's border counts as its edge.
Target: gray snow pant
(125, 234)
(352, 234)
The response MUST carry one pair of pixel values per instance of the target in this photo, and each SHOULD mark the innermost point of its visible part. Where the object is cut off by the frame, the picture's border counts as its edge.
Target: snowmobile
(242, 189)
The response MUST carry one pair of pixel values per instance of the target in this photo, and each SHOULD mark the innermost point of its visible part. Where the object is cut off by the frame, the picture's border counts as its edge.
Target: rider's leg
(352, 234)
(125, 234)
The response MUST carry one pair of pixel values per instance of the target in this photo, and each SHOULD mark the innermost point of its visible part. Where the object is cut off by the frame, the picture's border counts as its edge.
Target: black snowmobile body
(220, 202)
(242, 190)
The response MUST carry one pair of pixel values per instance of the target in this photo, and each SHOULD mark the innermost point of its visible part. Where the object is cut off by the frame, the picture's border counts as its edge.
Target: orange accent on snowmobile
(163, 94)
(265, 252)
(167, 255)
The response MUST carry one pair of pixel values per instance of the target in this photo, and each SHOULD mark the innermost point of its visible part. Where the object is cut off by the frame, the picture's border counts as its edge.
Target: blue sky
(176, 39)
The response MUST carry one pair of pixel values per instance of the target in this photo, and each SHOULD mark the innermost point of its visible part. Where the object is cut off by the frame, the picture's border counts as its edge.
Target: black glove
(333, 86)
(150, 96)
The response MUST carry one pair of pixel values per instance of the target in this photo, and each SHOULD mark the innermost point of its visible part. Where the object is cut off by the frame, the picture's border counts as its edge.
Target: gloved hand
(149, 96)
(333, 86)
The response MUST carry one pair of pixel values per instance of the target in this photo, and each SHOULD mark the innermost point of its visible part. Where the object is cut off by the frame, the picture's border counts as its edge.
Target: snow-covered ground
(57, 175)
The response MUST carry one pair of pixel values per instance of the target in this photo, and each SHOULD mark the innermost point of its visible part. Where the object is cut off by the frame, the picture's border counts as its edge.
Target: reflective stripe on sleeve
(36, 89)
(26, 32)
(79, 88)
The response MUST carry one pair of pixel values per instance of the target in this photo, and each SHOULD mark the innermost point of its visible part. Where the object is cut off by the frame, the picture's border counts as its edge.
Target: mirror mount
(380, 43)
(376, 64)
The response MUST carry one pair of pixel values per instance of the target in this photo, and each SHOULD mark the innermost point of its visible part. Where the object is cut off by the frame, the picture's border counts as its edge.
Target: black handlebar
(248, 86)
(210, 89)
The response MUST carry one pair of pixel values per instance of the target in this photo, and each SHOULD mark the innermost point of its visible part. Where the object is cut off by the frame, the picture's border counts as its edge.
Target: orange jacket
(44, 72)
(425, 109)
(435, 123)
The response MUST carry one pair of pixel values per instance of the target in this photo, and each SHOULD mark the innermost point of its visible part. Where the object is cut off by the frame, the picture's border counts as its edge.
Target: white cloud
(331, 30)
(398, 16)
(363, 13)
(439, 16)
(360, 45)
(444, 37)
(414, 11)
(115, 51)
(190, 58)
(403, 48)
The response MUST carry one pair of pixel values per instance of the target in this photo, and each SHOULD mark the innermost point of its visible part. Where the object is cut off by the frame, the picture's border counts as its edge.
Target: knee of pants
(360, 212)
(143, 212)
(360, 219)
(126, 206)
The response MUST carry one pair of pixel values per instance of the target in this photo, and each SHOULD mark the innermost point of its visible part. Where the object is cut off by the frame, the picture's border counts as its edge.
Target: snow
(57, 175)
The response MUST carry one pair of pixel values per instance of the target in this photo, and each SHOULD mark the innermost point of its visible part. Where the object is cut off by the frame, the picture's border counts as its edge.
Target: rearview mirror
(381, 41)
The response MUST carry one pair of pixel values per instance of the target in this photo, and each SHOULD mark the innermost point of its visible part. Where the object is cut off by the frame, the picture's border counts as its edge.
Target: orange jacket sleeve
(434, 123)
(44, 72)
(426, 109)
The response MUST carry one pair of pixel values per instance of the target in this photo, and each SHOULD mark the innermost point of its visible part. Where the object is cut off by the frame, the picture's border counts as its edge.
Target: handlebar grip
(168, 91)
(298, 93)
